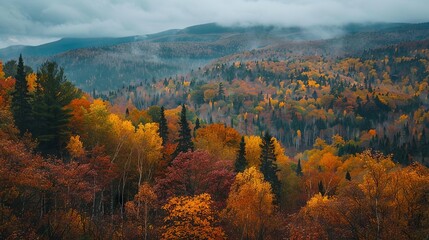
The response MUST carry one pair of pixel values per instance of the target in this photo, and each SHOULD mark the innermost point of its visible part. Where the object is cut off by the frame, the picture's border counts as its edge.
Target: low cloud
(23, 20)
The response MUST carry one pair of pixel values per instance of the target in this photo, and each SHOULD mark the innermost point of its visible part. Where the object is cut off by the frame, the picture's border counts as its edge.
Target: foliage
(253, 150)
(250, 204)
(269, 165)
(194, 173)
(218, 140)
(191, 218)
(380, 206)
(51, 118)
(75, 147)
(139, 210)
(347, 160)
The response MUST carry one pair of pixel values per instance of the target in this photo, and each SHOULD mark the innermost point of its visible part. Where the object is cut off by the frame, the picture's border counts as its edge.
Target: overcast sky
(33, 22)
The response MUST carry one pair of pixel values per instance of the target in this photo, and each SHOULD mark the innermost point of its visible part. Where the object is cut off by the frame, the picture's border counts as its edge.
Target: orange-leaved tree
(191, 218)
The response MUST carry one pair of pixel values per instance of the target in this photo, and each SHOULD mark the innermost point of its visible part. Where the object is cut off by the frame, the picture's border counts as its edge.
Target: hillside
(215, 132)
(179, 51)
(315, 95)
(62, 45)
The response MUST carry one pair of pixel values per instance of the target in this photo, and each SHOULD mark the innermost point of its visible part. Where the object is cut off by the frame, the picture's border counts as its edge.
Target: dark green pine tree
(221, 92)
(321, 188)
(127, 113)
(163, 127)
(197, 126)
(20, 106)
(53, 93)
(185, 138)
(299, 168)
(268, 164)
(241, 162)
(348, 176)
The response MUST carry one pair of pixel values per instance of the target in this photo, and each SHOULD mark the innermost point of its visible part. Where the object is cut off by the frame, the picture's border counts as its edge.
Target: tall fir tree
(240, 162)
(268, 164)
(221, 92)
(299, 168)
(53, 93)
(321, 188)
(127, 113)
(163, 127)
(348, 176)
(185, 138)
(197, 126)
(20, 106)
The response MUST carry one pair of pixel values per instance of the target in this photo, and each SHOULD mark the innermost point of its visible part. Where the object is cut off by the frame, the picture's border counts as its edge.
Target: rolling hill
(108, 63)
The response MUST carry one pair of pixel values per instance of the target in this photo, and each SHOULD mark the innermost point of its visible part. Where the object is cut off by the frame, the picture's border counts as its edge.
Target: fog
(37, 21)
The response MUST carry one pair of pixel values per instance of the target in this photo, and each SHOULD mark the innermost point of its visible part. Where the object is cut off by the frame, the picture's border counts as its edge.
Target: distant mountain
(108, 63)
(62, 45)
(199, 33)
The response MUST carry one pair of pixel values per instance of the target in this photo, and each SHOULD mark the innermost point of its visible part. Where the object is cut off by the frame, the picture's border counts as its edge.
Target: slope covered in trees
(192, 156)
(107, 63)
(376, 99)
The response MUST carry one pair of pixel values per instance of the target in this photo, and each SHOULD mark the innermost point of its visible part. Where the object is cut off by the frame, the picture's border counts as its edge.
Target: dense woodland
(280, 147)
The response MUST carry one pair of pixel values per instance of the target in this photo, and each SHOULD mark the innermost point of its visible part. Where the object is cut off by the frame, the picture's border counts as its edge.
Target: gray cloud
(36, 21)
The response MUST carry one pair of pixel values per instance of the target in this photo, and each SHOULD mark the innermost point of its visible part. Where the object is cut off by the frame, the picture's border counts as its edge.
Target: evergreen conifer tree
(240, 162)
(221, 92)
(299, 168)
(268, 163)
(185, 138)
(321, 188)
(163, 127)
(348, 177)
(53, 93)
(197, 126)
(20, 106)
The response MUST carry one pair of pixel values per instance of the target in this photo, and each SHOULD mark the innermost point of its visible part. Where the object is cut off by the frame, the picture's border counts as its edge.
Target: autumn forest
(269, 143)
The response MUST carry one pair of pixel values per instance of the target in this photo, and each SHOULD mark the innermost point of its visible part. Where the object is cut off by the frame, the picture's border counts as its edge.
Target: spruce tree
(20, 106)
(221, 92)
(197, 126)
(127, 113)
(163, 128)
(268, 164)
(321, 188)
(299, 168)
(348, 176)
(185, 138)
(53, 93)
(241, 162)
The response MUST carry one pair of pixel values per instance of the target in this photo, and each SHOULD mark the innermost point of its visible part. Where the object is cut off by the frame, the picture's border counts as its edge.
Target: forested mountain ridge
(179, 51)
(301, 98)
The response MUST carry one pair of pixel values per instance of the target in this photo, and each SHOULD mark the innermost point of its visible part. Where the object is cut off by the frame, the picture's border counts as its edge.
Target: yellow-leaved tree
(218, 140)
(75, 147)
(148, 145)
(250, 204)
(253, 150)
(31, 81)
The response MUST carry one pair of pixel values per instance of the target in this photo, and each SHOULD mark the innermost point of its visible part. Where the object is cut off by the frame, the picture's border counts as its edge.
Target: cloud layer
(35, 21)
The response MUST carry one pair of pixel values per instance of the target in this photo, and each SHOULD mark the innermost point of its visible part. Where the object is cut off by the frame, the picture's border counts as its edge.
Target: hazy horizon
(41, 21)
